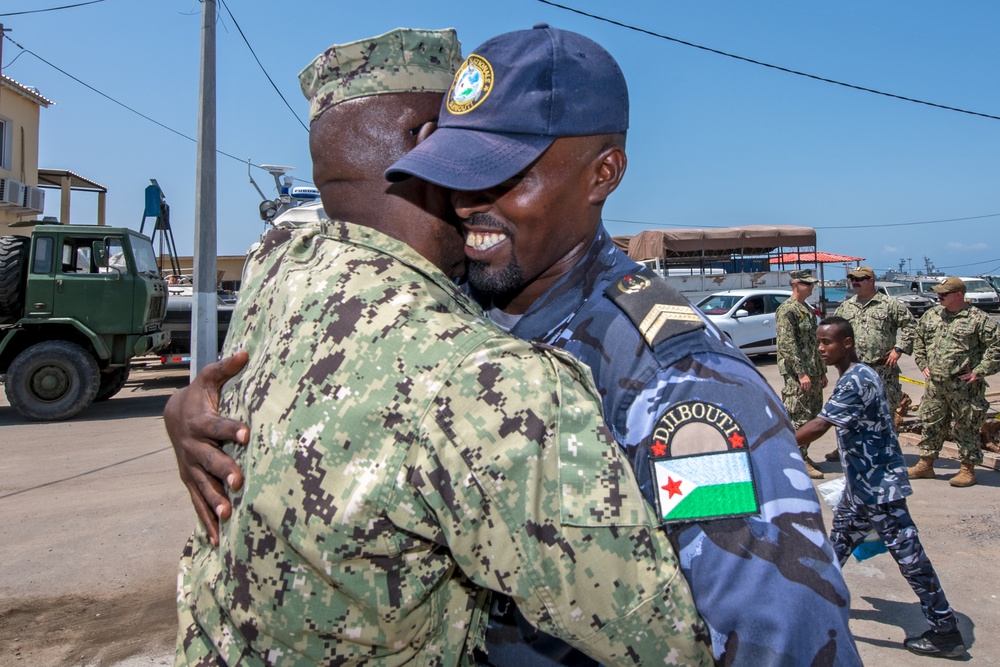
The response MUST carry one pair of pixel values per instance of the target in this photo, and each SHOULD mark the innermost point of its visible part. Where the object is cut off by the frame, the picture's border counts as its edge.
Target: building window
(6, 141)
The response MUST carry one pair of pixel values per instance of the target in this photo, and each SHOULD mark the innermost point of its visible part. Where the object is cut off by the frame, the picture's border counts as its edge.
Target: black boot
(945, 645)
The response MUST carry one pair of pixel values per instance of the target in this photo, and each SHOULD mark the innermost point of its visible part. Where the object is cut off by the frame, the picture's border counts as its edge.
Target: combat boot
(923, 470)
(946, 645)
(833, 456)
(966, 476)
(811, 470)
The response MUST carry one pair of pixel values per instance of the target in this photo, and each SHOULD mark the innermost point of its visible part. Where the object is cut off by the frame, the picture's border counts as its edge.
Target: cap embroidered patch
(473, 83)
(714, 483)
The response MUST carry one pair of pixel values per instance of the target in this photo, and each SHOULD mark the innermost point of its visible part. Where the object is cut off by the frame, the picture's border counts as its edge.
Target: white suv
(978, 291)
(981, 294)
(747, 316)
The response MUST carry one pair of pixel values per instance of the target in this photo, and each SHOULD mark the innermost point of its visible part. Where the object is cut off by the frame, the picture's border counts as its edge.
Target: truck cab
(80, 301)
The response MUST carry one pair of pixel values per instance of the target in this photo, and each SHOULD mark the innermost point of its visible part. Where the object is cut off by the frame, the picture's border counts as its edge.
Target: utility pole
(204, 305)
(1, 51)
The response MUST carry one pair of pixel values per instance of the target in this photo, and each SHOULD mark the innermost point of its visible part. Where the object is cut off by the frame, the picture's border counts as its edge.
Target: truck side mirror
(100, 250)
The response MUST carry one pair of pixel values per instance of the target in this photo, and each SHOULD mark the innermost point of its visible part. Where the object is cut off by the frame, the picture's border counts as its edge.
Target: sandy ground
(93, 517)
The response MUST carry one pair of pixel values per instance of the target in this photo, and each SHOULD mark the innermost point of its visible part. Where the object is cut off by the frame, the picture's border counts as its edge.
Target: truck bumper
(151, 343)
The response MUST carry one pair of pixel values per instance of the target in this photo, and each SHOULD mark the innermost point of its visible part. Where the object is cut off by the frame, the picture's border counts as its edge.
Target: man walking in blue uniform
(531, 139)
(877, 484)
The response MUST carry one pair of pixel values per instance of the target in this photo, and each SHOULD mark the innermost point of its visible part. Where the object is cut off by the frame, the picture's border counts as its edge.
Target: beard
(485, 280)
(493, 281)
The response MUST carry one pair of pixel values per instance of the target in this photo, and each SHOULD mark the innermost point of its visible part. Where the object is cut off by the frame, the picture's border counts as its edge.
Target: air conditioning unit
(11, 193)
(34, 199)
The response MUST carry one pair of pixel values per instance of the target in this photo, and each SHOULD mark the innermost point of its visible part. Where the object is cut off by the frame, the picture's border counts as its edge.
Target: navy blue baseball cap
(511, 98)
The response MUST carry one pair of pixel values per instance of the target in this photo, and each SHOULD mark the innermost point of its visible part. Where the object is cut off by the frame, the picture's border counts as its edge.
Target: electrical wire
(127, 107)
(51, 9)
(259, 64)
(868, 226)
(763, 64)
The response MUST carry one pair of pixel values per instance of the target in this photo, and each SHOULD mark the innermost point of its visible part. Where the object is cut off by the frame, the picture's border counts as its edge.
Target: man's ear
(425, 131)
(609, 169)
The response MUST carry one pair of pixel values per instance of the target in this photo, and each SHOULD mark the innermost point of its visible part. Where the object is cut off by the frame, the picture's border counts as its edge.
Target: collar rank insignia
(658, 311)
(700, 462)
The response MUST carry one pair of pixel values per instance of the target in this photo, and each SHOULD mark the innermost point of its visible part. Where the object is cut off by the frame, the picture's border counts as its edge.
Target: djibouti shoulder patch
(701, 465)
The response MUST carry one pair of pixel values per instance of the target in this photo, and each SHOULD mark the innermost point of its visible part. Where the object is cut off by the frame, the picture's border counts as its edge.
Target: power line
(763, 64)
(127, 107)
(51, 9)
(864, 226)
(259, 64)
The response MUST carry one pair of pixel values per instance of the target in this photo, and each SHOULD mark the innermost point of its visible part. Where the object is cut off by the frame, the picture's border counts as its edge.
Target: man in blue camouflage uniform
(957, 346)
(884, 332)
(877, 485)
(406, 456)
(765, 580)
(532, 155)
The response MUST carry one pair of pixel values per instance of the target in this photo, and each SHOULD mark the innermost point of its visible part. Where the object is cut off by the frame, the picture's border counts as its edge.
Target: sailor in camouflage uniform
(877, 484)
(957, 346)
(799, 362)
(406, 457)
(884, 327)
(688, 408)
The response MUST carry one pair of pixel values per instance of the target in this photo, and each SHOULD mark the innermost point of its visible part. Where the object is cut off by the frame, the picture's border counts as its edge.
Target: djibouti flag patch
(700, 459)
(705, 486)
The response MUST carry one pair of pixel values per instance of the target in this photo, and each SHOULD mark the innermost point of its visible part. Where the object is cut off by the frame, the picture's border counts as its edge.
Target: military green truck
(77, 302)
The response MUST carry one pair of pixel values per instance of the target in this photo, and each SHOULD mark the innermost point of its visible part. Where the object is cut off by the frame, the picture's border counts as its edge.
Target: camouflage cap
(403, 60)
(949, 285)
(803, 276)
(861, 272)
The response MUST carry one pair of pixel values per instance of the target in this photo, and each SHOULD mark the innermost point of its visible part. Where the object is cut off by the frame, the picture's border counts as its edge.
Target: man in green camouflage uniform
(406, 457)
(884, 331)
(956, 347)
(799, 363)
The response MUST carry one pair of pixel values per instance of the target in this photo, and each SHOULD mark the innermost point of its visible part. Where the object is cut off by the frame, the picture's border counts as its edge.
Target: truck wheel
(52, 380)
(13, 274)
(111, 383)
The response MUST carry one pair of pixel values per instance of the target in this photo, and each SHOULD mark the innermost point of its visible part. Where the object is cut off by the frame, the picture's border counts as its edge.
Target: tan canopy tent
(693, 244)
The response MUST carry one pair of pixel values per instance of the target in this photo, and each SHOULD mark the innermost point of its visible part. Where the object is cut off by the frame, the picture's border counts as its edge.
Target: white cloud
(955, 245)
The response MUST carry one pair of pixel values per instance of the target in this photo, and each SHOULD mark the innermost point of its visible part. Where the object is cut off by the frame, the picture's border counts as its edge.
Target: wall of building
(229, 267)
(23, 114)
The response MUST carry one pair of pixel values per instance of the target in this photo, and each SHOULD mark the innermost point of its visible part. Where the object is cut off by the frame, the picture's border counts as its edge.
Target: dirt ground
(92, 521)
(93, 518)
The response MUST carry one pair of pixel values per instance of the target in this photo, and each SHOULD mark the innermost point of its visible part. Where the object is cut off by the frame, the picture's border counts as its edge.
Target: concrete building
(20, 196)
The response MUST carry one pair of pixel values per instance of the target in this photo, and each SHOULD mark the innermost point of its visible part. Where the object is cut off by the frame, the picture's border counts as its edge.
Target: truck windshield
(978, 286)
(897, 290)
(145, 259)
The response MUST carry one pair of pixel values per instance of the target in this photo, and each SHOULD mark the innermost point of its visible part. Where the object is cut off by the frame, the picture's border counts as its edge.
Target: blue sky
(713, 142)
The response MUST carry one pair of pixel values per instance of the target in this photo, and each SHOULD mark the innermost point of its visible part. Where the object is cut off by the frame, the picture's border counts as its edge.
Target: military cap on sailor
(862, 272)
(403, 60)
(949, 285)
(803, 276)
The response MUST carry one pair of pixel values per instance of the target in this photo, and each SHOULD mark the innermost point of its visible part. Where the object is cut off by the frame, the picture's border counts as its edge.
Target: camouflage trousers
(890, 378)
(956, 404)
(801, 405)
(892, 521)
